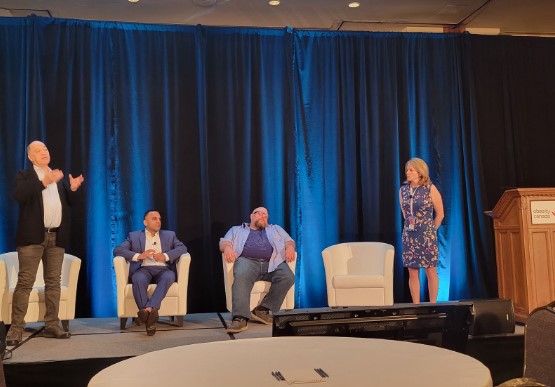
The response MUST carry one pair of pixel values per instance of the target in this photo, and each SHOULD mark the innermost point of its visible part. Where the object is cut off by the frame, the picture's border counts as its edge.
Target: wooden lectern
(524, 225)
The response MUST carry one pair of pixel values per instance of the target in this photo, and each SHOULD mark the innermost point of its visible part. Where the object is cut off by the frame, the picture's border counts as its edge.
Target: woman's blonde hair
(421, 168)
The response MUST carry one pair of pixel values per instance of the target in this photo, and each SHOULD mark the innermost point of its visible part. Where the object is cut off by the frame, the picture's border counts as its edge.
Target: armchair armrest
(4, 283)
(388, 275)
(121, 268)
(4, 291)
(70, 276)
(183, 281)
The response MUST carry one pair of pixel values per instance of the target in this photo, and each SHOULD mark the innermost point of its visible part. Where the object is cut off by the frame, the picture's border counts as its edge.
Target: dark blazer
(135, 243)
(30, 225)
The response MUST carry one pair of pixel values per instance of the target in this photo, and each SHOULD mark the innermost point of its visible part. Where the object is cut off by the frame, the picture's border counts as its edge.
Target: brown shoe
(237, 325)
(14, 337)
(261, 315)
(151, 322)
(55, 332)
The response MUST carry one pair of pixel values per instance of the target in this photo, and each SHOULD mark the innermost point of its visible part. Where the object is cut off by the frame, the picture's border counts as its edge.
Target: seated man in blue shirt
(260, 252)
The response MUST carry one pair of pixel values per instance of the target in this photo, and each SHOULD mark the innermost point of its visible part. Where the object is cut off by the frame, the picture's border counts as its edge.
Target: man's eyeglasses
(263, 214)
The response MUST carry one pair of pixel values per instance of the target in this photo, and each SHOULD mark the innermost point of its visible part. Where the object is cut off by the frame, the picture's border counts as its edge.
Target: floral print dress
(419, 241)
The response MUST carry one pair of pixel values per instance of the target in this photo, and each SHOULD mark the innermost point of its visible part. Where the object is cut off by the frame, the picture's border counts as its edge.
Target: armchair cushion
(358, 281)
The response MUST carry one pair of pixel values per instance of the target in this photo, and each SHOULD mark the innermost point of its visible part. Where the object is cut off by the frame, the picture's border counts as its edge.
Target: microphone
(154, 248)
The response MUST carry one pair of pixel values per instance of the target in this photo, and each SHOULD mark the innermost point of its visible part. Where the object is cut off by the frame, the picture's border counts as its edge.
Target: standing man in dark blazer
(42, 234)
(152, 254)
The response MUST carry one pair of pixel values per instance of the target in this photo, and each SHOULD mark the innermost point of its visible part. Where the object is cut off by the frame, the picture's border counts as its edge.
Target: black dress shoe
(142, 316)
(14, 337)
(151, 322)
(55, 332)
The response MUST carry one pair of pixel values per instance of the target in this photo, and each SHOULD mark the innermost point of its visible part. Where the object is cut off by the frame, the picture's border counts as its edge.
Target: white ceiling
(513, 17)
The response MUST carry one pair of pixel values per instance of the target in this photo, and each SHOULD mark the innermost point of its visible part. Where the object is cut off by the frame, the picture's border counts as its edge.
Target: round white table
(250, 362)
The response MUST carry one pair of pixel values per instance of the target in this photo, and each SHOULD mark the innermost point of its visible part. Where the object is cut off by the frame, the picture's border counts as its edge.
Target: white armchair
(259, 290)
(175, 302)
(359, 274)
(9, 268)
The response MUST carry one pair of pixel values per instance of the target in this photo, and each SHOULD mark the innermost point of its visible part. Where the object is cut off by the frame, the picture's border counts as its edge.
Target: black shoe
(14, 337)
(261, 315)
(237, 325)
(55, 332)
(151, 322)
(142, 316)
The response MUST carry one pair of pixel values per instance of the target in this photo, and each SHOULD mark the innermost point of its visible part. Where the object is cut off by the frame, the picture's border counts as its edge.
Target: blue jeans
(246, 272)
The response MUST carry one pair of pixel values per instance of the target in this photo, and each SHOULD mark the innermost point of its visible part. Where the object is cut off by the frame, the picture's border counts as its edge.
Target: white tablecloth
(250, 362)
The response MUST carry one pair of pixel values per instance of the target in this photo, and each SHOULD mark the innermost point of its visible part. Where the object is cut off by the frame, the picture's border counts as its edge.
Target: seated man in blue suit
(152, 254)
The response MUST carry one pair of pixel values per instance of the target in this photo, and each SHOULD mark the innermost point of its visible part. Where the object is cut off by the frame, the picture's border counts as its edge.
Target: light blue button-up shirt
(237, 236)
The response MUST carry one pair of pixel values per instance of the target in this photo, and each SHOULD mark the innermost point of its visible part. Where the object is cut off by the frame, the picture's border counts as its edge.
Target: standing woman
(423, 212)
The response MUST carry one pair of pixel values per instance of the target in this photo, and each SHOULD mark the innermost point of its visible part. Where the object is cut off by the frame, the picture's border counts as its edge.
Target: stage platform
(97, 343)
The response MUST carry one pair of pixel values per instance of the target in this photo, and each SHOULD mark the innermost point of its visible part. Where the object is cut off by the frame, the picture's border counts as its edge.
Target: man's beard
(260, 224)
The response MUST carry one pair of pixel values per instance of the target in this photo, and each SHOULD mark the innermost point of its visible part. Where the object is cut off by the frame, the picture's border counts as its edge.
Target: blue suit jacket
(135, 243)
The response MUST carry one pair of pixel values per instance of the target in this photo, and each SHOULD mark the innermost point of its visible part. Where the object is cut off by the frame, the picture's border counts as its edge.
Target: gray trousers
(29, 258)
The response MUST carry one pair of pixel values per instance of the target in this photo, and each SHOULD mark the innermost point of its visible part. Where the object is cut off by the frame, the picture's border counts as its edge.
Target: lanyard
(411, 201)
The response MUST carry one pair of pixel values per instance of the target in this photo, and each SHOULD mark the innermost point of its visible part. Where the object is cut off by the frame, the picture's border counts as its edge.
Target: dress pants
(162, 276)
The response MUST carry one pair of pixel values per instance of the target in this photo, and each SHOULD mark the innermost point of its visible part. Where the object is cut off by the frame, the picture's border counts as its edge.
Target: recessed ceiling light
(354, 4)
(133, 1)
(273, 2)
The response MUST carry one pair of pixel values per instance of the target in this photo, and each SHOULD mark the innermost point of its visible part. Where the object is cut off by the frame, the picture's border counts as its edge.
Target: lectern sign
(543, 212)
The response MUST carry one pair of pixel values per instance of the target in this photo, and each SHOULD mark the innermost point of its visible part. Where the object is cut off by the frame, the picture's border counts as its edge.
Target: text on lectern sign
(543, 212)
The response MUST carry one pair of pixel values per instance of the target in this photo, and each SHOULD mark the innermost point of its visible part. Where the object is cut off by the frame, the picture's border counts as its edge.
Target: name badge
(412, 223)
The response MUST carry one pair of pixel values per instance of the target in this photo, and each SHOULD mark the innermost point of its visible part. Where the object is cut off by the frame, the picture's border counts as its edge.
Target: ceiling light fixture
(354, 4)
(133, 1)
(273, 2)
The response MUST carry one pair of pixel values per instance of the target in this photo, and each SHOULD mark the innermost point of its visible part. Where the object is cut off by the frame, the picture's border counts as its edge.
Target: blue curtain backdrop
(206, 123)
